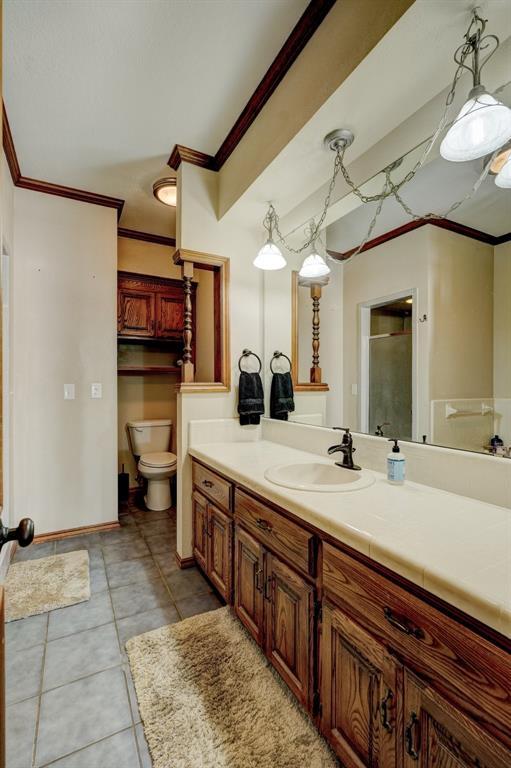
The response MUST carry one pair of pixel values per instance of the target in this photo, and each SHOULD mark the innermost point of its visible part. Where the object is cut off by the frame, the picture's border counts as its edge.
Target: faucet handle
(343, 429)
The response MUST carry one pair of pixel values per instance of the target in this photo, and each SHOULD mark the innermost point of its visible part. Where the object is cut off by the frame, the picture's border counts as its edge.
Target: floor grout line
(39, 698)
(92, 743)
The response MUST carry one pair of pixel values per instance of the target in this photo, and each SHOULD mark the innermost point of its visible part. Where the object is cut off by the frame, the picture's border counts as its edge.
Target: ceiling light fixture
(481, 128)
(270, 256)
(165, 190)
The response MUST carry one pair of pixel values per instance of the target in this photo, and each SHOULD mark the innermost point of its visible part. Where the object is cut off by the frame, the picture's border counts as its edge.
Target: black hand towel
(250, 398)
(281, 396)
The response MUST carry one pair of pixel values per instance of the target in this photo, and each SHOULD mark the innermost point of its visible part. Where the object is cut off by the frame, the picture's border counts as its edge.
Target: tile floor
(70, 697)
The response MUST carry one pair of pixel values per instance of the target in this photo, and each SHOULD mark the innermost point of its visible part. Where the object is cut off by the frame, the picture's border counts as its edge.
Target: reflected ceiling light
(503, 178)
(314, 266)
(409, 301)
(481, 128)
(270, 256)
(484, 123)
(165, 190)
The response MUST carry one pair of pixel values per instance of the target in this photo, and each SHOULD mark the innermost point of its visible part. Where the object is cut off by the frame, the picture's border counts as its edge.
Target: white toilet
(150, 442)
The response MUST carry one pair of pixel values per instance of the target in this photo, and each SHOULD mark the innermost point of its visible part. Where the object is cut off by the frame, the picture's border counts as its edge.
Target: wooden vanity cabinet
(438, 735)
(212, 543)
(360, 684)
(273, 600)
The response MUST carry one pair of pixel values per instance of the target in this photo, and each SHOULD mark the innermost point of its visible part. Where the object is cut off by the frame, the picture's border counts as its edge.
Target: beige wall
(461, 316)
(199, 229)
(502, 321)
(6, 242)
(64, 331)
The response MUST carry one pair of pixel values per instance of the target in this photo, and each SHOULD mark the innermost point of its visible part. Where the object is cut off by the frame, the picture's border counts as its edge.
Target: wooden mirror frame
(298, 386)
(219, 265)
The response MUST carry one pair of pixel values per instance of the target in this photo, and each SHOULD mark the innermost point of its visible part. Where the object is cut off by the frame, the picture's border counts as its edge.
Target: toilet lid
(163, 459)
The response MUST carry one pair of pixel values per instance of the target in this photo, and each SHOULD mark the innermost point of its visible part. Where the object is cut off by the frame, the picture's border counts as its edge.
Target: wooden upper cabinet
(170, 315)
(437, 735)
(135, 312)
(359, 694)
(151, 307)
(289, 615)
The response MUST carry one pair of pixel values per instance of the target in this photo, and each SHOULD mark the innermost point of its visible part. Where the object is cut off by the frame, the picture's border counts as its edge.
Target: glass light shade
(314, 266)
(503, 178)
(482, 126)
(165, 191)
(269, 257)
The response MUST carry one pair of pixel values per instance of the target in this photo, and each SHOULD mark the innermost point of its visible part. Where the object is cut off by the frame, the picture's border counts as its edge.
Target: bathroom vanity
(392, 674)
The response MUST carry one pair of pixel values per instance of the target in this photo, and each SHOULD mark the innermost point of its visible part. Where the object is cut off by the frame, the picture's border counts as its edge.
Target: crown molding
(9, 148)
(452, 226)
(301, 33)
(37, 185)
(184, 154)
(148, 237)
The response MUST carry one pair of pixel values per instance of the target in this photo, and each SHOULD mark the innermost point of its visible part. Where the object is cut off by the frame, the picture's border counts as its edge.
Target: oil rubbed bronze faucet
(346, 448)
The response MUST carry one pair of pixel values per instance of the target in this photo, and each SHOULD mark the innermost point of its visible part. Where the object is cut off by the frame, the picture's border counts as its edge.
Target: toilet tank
(150, 436)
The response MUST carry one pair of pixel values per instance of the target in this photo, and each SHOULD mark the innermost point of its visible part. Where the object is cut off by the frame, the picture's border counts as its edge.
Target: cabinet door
(288, 620)
(248, 583)
(135, 312)
(359, 694)
(438, 735)
(200, 530)
(220, 554)
(170, 316)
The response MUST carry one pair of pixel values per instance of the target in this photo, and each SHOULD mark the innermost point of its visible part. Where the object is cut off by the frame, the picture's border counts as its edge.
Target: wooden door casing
(2, 680)
(200, 530)
(219, 566)
(248, 583)
(360, 685)
(438, 735)
(135, 313)
(289, 615)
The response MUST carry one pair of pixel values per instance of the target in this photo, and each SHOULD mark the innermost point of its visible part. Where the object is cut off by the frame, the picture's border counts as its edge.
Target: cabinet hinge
(318, 610)
(317, 709)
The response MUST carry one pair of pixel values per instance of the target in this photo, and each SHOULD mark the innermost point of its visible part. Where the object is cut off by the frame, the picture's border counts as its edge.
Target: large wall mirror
(411, 337)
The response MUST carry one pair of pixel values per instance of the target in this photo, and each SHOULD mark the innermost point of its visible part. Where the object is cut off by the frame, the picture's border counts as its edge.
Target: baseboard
(76, 531)
(185, 562)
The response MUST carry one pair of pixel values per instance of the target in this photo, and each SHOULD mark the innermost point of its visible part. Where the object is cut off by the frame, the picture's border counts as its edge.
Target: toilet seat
(158, 460)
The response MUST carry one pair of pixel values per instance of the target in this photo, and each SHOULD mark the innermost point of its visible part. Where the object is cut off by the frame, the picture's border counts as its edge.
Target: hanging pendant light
(270, 256)
(314, 265)
(482, 126)
(484, 123)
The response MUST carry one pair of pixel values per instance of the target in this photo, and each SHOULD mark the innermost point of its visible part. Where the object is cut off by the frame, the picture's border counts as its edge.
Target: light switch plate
(96, 391)
(69, 391)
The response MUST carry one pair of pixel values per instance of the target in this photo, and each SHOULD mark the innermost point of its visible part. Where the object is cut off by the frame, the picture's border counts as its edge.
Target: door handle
(264, 525)
(258, 584)
(269, 581)
(23, 534)
(402, 624)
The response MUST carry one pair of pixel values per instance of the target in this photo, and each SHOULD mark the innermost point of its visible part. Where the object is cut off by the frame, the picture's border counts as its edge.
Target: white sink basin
(319, 476)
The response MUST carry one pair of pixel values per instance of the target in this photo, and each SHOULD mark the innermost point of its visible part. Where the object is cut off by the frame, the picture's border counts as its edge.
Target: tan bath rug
(209, 699)
(37, 586)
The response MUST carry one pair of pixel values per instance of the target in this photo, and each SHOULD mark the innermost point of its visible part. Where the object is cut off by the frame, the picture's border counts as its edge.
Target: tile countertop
(455, 547)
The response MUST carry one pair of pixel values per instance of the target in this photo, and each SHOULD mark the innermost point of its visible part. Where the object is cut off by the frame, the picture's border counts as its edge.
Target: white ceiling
(99, 91)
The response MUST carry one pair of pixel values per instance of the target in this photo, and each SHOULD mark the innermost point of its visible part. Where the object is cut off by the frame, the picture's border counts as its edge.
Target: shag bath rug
(37, 586)
(209, 699)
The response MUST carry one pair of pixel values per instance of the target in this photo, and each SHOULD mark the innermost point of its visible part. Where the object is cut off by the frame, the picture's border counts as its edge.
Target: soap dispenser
(395, 464)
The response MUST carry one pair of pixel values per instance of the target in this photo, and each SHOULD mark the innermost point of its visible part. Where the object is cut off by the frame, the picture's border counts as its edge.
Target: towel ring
(248, 353)
(276, 356)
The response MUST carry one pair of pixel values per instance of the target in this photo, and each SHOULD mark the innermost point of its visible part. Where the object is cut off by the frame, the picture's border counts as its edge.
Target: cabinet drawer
(276, 532)
(211, 485)
(468, 669)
